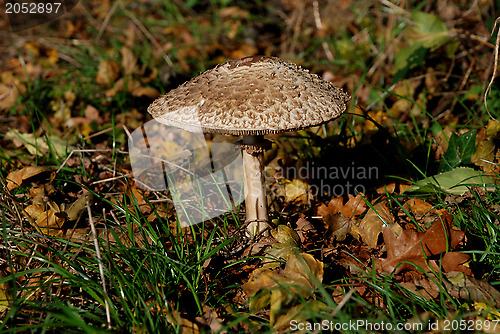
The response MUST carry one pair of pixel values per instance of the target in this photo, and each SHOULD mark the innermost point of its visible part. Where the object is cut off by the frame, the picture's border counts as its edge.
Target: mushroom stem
(253, 148)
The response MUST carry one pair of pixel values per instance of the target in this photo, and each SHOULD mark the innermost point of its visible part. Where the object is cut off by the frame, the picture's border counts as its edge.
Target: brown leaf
(460, 285)
(129, 61)
(484, 156)
(370, 227)
(211, 319)
(16, 178)
(354, 206)
(299, 276)
(186, 326)
(301, 270)
(420, 207)
(388, 188)
(337, 216)
(146, 91)
(454, 261)
(415, 247)
(107, 73)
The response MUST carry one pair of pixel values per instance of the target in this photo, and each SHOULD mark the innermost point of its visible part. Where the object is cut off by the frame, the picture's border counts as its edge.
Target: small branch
(99, 262)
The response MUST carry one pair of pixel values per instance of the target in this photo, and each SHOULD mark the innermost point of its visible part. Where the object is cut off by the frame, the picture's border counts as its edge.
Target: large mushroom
(251, 97)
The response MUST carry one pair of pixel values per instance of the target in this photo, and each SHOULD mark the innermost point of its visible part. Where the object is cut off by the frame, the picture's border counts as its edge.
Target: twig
(106, 20)
(83, 151)
(146, 33)
(495, 66)
(319, 26)
(99, 262)
(344, 300)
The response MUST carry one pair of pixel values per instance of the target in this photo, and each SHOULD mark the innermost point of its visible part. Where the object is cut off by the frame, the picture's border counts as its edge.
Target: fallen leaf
(286, 243)
(411, 248)
(16, 178)
(459, 285)
(211, 319)
(146, 91)
(354, 206)
(387, 189)
(454, 261)
(372, 224)
(484, 156)
(107, 72)
(265, 287)
(9, 95)
(5, 293)
(337, 224)
(39, 145)
(129, 61)
(177, 321)
(297, 191)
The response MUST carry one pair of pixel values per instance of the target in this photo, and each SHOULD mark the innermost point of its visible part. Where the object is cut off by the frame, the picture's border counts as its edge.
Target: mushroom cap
(251, 96)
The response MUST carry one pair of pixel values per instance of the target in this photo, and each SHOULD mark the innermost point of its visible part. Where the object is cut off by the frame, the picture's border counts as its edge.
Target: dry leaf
(146, 91)
(388, 188)
(369, 228)
(454, 261)
(297, 191)
(354, 206)
(129, 61)
(5, 293)
(9, 93)
(287, 242)
(39, 145)
(185, 326)
(414, 247)
(16, 178)
(303, 270)
(107, 73)
(300, 276)
(459, 285)
(337, 215)
(484, 156)
(211, 319)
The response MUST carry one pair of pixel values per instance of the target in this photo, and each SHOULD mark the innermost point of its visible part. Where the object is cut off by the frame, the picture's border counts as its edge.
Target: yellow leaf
(107, 73)
(369, 228)
(5, 293)
(297, 191)
(129, 61)
(16, 178)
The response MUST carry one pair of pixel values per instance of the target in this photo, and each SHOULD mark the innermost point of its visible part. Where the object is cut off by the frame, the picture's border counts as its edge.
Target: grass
(128, 265)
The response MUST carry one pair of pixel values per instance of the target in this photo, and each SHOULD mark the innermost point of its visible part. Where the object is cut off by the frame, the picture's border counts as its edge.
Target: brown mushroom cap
(251, 96)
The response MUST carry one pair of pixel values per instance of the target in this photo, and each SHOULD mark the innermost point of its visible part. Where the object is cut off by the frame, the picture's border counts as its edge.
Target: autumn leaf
(459, 285)
(16, 178)
(412, 248)
(337, 224)
(454, 261)
(372, 224)
(107, 72)
(337, 216)
(286, 243)
(297, 191)
(301, 275)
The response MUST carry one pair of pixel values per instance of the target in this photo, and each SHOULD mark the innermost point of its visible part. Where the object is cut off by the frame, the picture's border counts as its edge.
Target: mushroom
(251, 96)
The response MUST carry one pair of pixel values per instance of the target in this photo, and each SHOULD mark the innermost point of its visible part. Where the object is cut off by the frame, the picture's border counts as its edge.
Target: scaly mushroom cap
(251, 96)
